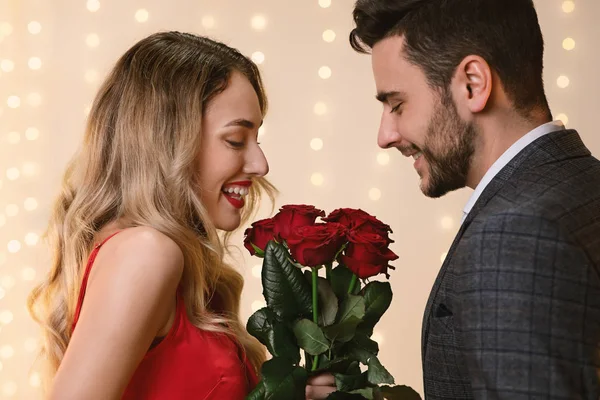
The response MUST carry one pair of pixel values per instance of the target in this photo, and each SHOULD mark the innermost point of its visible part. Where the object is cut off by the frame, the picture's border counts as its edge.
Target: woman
(139, 303)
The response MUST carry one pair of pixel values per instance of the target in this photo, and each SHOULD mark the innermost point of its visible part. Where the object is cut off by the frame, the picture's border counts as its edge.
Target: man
(515, 310)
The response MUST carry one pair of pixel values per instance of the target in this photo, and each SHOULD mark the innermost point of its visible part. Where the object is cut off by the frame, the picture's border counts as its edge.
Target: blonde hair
(138, 162)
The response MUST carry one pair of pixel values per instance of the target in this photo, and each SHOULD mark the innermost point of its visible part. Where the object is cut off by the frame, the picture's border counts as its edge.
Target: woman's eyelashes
(236, 144)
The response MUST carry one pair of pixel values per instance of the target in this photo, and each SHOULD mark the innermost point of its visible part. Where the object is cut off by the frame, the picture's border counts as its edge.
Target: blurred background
(319, 136)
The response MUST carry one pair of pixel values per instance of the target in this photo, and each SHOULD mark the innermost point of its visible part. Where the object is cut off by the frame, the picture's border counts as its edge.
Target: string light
(9, 389)
(562, 81)
(2, 293)
(6, 317)
(320, 108)
(208, 22)
(568, 44)
(91, 76)
(329, 36)
(258, 57)
(93, 5)
(563, 118)
(383, 158)
(6, 29)
(35, 380)
(258, 22)
(261, 130)
(568, 6)
(257, 271)
(30, 204)
(447, 222)
(325, 3)
(316, 144)
(317, 179)
(34, 63)
(374, 194)
(31, 239)
(7, 65)
(13, 101)
(28, 274)
(32, 133)
(92, 40)
(6, 351)
(14, 246)
(142, 15)
(13, 173)
(443, 257)
(325, 72)
(34, 27)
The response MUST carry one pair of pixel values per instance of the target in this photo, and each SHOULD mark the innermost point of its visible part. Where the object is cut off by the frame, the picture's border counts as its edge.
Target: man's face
(421, 122)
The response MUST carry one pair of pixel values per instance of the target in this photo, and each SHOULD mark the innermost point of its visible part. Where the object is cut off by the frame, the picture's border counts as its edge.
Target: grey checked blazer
(515, 310)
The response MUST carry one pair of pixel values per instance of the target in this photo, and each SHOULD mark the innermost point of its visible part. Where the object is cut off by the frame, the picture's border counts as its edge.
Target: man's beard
(448, 149)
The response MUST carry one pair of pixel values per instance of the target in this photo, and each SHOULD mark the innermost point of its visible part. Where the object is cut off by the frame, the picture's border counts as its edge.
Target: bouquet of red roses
(331, 318)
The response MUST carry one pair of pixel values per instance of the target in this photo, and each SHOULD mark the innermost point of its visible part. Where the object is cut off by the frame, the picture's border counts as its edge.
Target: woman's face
(230, 155)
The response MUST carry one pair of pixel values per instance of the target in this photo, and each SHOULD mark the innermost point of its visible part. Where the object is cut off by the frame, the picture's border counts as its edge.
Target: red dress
(188, 363)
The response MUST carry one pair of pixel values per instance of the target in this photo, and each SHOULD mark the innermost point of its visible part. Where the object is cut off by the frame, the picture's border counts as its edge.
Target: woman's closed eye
(235, 144)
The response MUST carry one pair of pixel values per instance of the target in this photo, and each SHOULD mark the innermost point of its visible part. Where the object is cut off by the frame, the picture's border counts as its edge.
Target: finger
(318, 392)
(322, 380)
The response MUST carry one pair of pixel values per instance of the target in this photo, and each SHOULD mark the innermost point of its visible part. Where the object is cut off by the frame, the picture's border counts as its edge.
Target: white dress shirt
(505, 158)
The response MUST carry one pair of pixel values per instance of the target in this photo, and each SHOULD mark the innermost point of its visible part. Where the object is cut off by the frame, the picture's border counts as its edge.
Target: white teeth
(241, 191)
(417, 155)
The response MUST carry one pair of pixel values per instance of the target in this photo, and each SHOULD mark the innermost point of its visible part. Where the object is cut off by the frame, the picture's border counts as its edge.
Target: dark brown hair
(439, 34)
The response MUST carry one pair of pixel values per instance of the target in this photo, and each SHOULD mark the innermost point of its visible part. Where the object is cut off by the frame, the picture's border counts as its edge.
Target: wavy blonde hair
(138, 163)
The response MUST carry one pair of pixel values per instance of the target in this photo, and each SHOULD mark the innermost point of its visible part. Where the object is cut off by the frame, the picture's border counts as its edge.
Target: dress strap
(86, 275)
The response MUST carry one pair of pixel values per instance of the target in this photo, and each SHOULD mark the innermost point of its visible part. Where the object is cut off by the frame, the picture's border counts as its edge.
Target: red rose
(317, 244)
(359, 220)
(259, 235)
(291, 217)
(367, 254)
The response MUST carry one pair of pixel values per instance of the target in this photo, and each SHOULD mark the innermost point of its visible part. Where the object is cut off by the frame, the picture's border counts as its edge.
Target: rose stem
(315, 302)
(328, 272)
(352, 283)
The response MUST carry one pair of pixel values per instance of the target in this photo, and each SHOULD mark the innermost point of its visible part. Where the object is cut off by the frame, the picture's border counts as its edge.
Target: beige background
(54, 53)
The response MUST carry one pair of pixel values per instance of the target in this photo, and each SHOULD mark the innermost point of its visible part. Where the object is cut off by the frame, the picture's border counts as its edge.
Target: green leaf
(342, 332)
(283, 381)
(347, 383)
(362, 348)
(337, 365)
(328, 303)
(353, 368)
(286, 291)
(340, 281)
(275, 335)
(310, 337)
(399, 393)
(345, 396)
(351, 306)
(378, 297)
(258, 393)
(367, 393)
(377, 374)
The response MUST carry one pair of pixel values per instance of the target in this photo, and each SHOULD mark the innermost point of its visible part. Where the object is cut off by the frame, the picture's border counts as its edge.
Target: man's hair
(439, 34)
